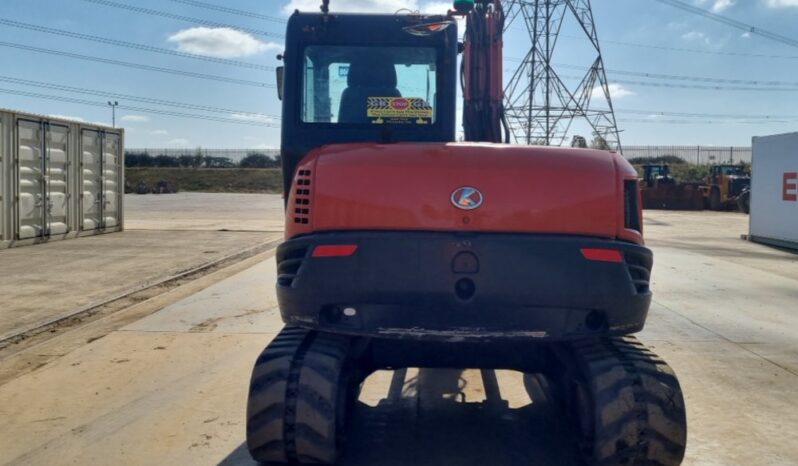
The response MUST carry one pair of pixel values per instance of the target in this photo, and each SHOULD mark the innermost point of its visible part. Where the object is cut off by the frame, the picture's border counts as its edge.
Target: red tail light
(602, 255)
(334, 250)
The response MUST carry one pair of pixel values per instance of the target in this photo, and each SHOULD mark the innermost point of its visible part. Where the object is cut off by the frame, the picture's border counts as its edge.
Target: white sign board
(774, 189)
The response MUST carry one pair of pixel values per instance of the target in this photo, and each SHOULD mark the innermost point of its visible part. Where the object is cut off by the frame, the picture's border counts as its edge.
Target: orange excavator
(404, 248)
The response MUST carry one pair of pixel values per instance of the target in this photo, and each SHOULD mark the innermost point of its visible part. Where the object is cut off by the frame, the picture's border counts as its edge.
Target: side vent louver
(631, 206)
(302, 197)
(289, 262)
(639, 268)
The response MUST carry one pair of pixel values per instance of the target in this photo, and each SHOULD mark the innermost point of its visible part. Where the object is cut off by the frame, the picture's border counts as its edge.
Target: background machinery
(405, 249)
(727, 186)
(660, 190)
(657, 175)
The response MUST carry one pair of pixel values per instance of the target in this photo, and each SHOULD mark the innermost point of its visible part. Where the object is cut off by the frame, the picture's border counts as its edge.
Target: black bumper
(453, 287)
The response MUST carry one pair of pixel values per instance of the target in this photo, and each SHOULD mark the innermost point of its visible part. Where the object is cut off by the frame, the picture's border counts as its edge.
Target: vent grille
(288, 265)
(302, 197)
(639, 271)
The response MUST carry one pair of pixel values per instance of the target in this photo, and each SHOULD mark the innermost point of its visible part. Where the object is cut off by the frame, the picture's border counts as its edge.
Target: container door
(110, 180)
(30, 179)
(91, 179)
(56, 179)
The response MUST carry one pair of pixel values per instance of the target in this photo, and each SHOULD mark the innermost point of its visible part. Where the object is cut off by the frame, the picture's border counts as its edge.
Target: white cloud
(159, 132)
(135, 118)
(676, 25)
(698, 36)
(694, 35)
(370, 6)
(781, 3)
(617, 91)
(68, 117)
(266, 147)
(746, 35)
(722, 5)
(439, 8)
(718, 6)
(252, 117)
(220, 42)
(178, 142)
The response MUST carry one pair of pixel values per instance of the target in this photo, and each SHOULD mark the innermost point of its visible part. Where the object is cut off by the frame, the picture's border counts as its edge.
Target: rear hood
(409, 186)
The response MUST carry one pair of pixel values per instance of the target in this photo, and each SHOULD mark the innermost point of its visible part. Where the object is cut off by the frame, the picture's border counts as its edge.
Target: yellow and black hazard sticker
(399, 110)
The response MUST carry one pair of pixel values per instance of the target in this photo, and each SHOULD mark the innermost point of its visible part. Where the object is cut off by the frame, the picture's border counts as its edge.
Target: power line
(232, 11)
(136, 109)
(140, 66)
(188, 19)
(132, 45)
(707, 115)
(692, 86)
(702, 87)
(681, 49)
(680, 77)
(675, 77)
(731, 22)
(757, 119)
(148, 100)
(694, 122)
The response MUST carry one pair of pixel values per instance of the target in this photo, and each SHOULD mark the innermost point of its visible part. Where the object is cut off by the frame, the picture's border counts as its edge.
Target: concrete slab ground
(205, 211)
(169, 234)
(170, 388)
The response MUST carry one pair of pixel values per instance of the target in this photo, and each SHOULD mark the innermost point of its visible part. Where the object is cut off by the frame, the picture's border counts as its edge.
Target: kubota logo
(467, 198)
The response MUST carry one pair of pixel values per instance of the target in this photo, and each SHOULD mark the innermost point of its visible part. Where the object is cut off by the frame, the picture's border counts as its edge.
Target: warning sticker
(399, 110)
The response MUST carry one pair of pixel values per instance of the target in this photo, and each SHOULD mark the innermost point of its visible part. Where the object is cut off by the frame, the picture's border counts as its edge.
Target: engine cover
(460, 187)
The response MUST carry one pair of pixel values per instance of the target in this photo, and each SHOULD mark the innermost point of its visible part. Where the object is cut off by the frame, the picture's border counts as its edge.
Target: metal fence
(692, 154)
(234, 155)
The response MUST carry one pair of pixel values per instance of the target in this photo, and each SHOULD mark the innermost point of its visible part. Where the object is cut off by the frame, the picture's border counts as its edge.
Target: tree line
(251, 160)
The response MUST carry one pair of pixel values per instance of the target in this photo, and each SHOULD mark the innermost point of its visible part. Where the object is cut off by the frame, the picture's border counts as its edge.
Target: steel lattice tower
(540, 106)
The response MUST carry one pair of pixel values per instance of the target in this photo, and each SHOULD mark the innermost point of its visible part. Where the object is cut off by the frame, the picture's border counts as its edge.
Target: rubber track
(292, 412)
(638, 408)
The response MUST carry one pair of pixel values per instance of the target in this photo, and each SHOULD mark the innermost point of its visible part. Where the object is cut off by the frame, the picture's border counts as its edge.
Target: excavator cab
(352, 78)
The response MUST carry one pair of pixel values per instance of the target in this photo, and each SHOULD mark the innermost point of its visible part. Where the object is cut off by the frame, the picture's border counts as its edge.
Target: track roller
(626, 403)
(301, 388)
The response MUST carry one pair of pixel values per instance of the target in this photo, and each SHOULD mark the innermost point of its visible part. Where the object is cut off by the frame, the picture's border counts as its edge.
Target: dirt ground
(164, 382)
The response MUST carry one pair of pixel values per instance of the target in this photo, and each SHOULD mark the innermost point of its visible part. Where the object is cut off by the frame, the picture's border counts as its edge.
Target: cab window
(369, 85)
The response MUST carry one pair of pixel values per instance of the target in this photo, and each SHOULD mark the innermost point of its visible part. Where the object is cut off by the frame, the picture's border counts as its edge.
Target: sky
(722, 85)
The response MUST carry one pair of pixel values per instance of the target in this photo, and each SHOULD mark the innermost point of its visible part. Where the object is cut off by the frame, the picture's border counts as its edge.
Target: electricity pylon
(541, 104)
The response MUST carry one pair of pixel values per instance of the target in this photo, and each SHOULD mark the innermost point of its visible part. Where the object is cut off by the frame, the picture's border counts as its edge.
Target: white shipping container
(59, 179)
(774, 190)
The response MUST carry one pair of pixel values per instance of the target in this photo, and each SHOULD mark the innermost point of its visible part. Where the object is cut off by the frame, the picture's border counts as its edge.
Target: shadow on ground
(424, 421)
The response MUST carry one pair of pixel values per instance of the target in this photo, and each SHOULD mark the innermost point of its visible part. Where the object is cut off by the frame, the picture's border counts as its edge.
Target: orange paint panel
(409, 186)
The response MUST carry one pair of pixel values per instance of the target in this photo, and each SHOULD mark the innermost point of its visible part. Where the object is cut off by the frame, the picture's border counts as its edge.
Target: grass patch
(210, 180)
